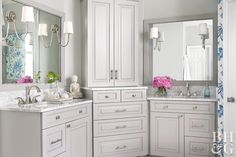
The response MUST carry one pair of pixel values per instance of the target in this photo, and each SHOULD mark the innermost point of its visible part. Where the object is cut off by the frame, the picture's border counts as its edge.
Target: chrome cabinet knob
(231, 99)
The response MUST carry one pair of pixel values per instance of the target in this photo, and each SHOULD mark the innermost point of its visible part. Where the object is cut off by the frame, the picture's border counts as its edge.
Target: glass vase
(161, 92)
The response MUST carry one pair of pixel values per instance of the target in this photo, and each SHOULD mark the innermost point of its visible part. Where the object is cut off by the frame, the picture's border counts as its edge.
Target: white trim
(225, 59)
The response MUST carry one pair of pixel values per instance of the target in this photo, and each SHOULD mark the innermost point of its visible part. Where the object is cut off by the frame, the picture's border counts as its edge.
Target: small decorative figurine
(75, 88)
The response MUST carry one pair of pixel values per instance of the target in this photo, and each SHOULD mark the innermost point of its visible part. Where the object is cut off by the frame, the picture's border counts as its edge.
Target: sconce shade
(161, 37)
(154, 33)
(203, 29)
(27, 14)
(43, 30)
(68, 27)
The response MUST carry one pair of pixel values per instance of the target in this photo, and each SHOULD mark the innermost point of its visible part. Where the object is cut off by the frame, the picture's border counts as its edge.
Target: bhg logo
(223, 143)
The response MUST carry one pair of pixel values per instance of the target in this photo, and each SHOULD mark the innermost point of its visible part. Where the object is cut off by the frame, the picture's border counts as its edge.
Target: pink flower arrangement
(25, 79)
(162, 82)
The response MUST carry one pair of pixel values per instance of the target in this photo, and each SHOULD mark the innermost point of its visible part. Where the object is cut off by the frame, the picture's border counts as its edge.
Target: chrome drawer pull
(80, 111)
(118, 111)
(58, 117)
(198, 126)
(195, 108)
(165, 107)
(180, 116)
(121, 127)
(106, 97)
(134, 95)
(123, 147)
(54, 142)
(199, 149)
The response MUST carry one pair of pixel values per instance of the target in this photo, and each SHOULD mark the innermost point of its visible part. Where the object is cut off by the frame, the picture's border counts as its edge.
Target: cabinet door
(167, 134)
(79, 138)
(53, 141)
(100, 46)
(126, 43)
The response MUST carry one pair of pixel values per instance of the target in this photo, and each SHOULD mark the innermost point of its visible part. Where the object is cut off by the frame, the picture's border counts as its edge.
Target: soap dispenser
(207, 91)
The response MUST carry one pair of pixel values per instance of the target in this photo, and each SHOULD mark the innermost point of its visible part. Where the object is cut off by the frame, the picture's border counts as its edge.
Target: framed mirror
(24, 53)
(183, 48)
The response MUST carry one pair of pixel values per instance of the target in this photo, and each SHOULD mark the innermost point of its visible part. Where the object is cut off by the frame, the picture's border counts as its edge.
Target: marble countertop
(44, 106)
(179, 98)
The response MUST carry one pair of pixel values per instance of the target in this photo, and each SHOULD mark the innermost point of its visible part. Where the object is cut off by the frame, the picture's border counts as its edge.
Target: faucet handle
(34, 99)
(20, 101)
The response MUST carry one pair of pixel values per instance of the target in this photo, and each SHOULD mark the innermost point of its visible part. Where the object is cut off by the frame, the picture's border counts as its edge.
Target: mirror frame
(148, 54)
(7, 87)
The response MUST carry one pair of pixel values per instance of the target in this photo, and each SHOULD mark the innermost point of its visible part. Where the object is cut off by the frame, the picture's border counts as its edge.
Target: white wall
(173, 8)
(73, 51)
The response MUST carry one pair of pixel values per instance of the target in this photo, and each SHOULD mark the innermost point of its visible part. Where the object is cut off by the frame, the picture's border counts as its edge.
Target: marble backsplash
(198, 90)
(9, 97)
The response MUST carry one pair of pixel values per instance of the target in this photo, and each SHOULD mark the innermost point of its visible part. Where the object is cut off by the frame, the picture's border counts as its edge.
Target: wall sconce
(26, 17)
(204, 33)
(159, 37)
(67, 31)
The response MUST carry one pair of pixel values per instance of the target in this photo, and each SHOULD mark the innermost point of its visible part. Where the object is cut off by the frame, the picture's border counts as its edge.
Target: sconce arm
(51, 39)
(60, 42)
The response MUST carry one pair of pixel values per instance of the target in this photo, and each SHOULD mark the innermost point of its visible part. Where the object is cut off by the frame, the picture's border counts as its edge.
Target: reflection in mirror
(23, 53)
(183, 50)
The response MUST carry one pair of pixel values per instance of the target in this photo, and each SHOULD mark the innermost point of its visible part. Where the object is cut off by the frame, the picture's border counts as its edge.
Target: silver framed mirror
(26, 57)
(184, 48)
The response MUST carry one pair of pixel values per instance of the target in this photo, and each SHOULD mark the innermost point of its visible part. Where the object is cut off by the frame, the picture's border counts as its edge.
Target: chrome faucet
(28, 99)
(188, 94)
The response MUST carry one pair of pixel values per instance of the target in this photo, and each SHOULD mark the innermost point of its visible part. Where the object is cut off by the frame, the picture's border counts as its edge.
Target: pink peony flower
(162, 82)
(25, 79)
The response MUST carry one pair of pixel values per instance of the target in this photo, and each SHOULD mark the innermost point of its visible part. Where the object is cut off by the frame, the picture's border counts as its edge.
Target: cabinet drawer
(183, 107)
(106, 96)
(54, 141)
(121, 126)
(62, 116)
(199, 125)
(119, 110)
(121, 146)
(133, 95)
(195, 147)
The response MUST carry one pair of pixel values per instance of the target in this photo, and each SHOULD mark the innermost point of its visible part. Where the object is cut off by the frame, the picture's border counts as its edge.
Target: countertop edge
(182, 99)
(34, 110)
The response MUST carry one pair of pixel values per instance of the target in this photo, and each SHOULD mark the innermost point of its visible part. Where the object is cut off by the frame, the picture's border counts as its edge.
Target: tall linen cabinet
(110, 43)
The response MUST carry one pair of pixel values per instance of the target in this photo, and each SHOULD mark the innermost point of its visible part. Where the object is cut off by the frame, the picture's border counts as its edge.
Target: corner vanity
(46, 130)
(182, 126)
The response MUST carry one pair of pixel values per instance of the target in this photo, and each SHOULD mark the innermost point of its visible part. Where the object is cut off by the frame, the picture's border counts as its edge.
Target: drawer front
(54, 141)
(199, 125)
(106, 96)
(195, 147)
(62, 116)
(119, 110)
(121, 146)
(183, 107)
(133, 95)
(121, 126)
